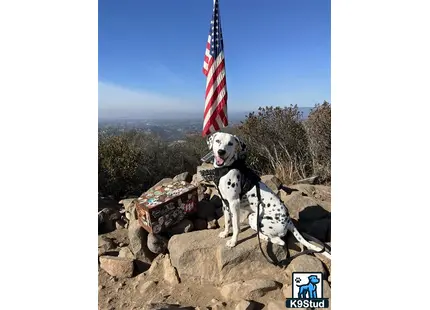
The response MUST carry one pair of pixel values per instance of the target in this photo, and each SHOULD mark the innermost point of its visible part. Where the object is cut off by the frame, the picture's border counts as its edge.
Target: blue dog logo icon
(309, 290)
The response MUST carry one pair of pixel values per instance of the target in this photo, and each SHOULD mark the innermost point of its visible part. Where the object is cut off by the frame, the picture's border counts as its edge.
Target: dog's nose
(221, 152)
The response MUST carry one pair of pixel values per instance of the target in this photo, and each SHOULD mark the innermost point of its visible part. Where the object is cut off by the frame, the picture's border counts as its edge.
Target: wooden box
(166, 205)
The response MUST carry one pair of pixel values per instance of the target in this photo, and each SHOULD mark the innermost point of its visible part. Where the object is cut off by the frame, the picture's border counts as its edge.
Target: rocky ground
(191, 268)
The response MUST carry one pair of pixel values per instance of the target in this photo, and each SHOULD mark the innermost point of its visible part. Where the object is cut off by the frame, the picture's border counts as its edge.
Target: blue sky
(277, 52)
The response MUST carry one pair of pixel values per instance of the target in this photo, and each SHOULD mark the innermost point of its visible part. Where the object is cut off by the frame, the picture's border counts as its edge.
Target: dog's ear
(242, 145)
(210, 140)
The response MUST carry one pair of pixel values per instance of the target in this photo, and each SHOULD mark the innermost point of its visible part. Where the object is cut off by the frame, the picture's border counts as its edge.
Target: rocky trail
(189, 267)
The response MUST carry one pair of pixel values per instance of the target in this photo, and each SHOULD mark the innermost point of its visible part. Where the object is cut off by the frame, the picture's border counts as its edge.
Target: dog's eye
(217, 141)
(230, 143)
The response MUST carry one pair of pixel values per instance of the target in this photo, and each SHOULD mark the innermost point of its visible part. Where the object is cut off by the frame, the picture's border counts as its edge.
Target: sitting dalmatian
(239, 187)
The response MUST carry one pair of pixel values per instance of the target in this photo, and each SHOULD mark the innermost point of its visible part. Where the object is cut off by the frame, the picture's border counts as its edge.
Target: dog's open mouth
(219, 160)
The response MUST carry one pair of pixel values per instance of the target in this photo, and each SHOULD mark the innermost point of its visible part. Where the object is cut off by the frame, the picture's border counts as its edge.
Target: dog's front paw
(231, 243)
(223, 234)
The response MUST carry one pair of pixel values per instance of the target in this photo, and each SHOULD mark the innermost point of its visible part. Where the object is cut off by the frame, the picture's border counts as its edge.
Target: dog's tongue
(219, 160)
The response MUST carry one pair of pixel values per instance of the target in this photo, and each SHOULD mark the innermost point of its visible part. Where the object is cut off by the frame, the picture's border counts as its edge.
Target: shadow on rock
(288, 190)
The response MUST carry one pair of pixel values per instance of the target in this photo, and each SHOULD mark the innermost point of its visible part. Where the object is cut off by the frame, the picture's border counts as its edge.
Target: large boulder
(318, 192)
(304, 208)
(202, 257)
(304, 263)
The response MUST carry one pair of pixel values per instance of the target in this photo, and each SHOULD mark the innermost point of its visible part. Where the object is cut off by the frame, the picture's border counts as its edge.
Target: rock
(128, 203)
(119, 224)
(249, 289)
(130, 208)
(138, 242)
(272, 182)
(311, 180)
(205, 210)
(106, 245)
(157, 244)
(212, 224)
(108, 214)
(147, 286)
(278, 305)
(170, 274)
(194, 180)
(326, 262)
(106, 220)
(246, 305)
(244, 213)
(117, 266)
(304, 208)
(304, 263)
(329, 278)
(318, 192)
(202, 257)
(126, 252)
(287, 291)
(161, 268)
(183, 226)
(216, 305)
(185, 176)
(200, 224)
(326, 289)
(164, 306)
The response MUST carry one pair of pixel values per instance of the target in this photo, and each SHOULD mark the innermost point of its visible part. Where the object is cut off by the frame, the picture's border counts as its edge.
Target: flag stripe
(215, 111)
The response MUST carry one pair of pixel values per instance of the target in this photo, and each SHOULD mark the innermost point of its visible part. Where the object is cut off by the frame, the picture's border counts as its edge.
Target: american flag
(215, 115)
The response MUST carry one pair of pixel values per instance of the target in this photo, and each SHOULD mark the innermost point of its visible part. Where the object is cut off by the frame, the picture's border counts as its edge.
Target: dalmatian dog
(275, 221)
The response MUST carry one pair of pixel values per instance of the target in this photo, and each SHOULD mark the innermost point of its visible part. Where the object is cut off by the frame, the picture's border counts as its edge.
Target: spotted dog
(238, 187)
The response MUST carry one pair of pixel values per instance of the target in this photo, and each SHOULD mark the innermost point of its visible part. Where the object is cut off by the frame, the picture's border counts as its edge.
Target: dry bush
(318, 127)
(277, 142)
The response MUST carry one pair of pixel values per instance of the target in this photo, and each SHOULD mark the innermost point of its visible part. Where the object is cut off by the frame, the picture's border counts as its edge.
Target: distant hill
(234, 116)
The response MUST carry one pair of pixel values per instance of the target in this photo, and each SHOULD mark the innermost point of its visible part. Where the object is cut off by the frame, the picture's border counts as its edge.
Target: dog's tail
(307, 244)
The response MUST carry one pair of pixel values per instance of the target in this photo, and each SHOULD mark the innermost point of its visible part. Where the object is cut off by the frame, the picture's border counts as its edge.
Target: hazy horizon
(118, 114)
